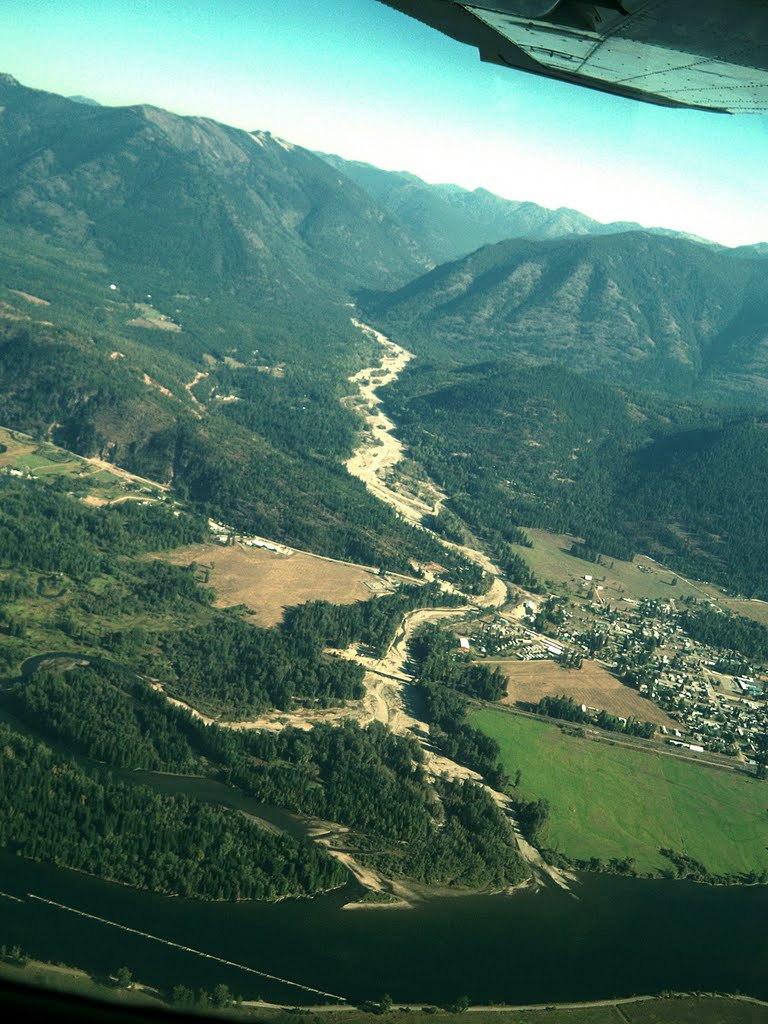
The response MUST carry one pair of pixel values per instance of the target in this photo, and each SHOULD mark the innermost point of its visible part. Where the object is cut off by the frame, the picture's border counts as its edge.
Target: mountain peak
(85, 100)
(6, 79)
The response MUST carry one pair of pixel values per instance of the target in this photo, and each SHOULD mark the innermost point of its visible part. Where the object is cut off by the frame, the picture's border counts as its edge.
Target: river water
(619, 937)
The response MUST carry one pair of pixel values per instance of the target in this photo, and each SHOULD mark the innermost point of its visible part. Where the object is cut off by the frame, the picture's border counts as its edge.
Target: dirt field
(34, 299)
(592, 685)
(268, 583)
(757, 610)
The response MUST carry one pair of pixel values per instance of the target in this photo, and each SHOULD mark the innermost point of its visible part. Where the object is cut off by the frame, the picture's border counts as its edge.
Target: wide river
(619, 937)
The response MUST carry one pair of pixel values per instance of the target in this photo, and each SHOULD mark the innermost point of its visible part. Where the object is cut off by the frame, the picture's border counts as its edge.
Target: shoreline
(39, 974)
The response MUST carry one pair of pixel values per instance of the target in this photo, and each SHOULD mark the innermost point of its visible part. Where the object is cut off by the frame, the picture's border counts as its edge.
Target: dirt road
(190, 388)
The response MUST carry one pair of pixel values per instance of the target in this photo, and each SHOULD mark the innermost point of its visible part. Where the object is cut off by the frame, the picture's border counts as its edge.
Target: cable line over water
(187, 949)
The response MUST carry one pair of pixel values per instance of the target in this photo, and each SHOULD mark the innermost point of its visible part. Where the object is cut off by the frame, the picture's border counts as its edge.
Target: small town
(716, 700)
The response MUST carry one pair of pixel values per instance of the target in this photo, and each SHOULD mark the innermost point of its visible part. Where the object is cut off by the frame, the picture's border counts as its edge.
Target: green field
(19, 451)
(609, 801)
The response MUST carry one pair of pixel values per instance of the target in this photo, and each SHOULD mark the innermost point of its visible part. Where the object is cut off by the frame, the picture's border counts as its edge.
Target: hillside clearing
(643, 577)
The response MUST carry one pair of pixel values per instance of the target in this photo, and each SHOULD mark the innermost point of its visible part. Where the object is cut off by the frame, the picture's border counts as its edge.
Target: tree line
(566, 709)
(55, 810)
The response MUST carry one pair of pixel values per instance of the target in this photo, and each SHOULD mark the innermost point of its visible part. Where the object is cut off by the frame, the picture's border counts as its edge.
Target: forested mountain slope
(544, 446)
(663, 313)
(190, 201)
(174, 297)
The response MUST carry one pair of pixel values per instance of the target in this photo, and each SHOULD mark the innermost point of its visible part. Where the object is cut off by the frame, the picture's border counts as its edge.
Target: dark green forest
(129, 620)
(520, 446)
(727, 632)
(368, 780)
(443, 680)
(55, 810)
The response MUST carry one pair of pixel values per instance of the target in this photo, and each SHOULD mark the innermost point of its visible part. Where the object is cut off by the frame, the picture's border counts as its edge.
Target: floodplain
(610, 801)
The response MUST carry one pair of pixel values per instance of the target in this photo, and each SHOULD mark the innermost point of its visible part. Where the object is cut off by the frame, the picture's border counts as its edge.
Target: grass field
(641, 578)
(638, 579)
(592, 685)
(609, 801)
(752, 609)
(268, 583)
(24, 454)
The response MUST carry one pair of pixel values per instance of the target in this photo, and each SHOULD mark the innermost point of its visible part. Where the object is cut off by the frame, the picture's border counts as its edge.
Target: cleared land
(34, 299)
(152, 319)
(610, 801)
(95, 481)
(267, 583)
(754, 609)
(641, 578)
(592, 685)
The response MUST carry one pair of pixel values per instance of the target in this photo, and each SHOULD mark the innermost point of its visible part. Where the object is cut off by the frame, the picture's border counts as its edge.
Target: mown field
(268, 583)
(609, 801)
(592, 685)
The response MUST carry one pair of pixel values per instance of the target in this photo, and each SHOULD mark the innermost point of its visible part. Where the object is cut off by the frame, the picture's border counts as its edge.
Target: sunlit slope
(174, 298)
(189, 199)
(663, 313)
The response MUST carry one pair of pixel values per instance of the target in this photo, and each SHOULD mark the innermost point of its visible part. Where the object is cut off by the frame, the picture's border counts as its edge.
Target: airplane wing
(704, 55)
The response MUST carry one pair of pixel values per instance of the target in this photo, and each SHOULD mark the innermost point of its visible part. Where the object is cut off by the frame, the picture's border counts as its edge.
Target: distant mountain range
(151, 264)
(448, 221)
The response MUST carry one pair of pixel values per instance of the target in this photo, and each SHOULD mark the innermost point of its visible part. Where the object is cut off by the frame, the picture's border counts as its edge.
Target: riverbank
(672, 1008)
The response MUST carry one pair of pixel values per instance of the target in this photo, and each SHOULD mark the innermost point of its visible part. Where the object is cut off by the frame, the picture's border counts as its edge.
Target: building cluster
(223, 534)
(644, 643)
(501, 638)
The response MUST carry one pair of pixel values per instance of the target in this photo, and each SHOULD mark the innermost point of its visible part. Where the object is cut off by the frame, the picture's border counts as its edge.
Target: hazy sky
(356, 78)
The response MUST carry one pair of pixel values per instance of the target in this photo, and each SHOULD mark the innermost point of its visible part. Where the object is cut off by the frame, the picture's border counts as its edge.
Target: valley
(353, 539)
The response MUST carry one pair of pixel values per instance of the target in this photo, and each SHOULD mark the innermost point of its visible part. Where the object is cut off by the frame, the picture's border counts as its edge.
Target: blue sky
(356, 78)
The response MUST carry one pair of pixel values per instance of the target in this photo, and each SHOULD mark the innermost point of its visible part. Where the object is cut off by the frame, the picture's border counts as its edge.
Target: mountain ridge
(275, 215)
(637, 308)
(450, 221)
